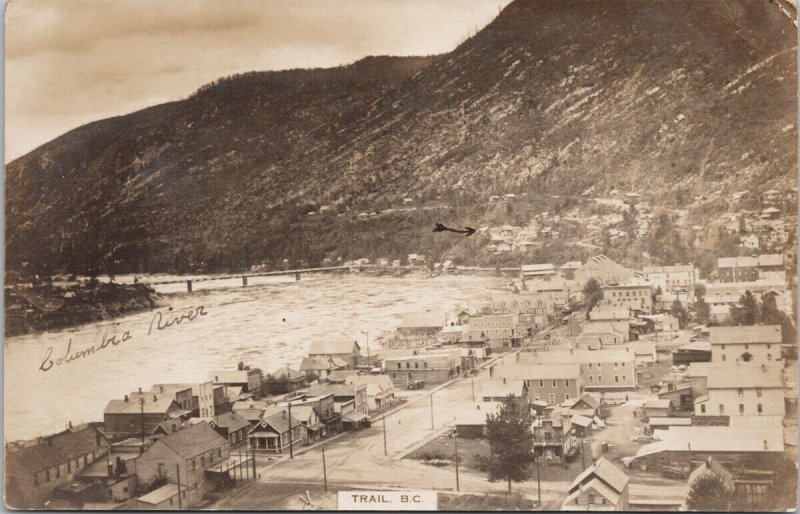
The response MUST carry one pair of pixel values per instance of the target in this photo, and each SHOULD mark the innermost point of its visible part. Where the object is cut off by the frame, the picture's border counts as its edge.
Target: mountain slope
(668, 98)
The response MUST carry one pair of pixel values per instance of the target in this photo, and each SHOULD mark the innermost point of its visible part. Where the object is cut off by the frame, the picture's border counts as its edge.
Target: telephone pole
(473, 388)
(141, 418)
(456, 441)
(385, 451)
(324, 470)
(431, 411)
(178, 472)
(538, 481)
(291, 451)
(583, 454)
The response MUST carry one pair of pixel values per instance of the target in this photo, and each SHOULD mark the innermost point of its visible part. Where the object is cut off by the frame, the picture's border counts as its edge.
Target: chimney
(140, 390)
(766, 446)
(504, 380)
(155, 398)
(111, 469)
(161, 388)
(70, 425)
(126, 397)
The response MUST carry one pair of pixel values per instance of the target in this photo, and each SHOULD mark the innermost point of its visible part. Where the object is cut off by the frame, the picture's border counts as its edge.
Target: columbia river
(267, 325)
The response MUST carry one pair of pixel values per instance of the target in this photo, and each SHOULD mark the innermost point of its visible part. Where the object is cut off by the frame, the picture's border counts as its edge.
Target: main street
(357, 460)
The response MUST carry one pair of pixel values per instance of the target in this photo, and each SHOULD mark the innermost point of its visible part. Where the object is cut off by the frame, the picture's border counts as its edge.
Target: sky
(69, 62)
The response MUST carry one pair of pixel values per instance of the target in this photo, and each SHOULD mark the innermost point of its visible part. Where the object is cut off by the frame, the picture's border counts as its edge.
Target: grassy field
(486, 502)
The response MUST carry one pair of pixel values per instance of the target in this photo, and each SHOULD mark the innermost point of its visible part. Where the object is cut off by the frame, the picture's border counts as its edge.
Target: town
(639, 388)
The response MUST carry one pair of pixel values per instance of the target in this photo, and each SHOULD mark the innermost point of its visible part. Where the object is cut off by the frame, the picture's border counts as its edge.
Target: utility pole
(431, 411)
(583, 454)
(473, 388)
(324, 470)
(291, 451)
(366, 333)
(385, 451)
(457, 485)
(538, 481)
(178, 472)
(141, 418)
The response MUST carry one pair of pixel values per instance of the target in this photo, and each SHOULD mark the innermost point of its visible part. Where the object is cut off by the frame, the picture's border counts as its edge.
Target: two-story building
(551, 383)
(187, 454)
(232, 426)
(602, 486)
(607, 370)
(743, 390)
(429, 367)
(272, 433)
(139, 413)
(748, 268)
(422, 324)
(637, 298)
(672, 279)
(552, 437)
(347, 351)
(248, 379)
(750, 344)
(501, 330)
(33, 472)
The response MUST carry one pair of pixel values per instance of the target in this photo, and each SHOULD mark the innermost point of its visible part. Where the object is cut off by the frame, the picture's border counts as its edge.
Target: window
(769, 346)
(170, 501)
(760, 409)
(590, 365)
(566, 383)
(424, 364)
(219, 452)
(69, 467)
(721, 408)
(416, 365)
(741, 408)
(58, 471)
(616, 378)
(408, 365)
(399, 365)
(623, 378)
(758, 392)
(598, 365)
(769, 356)
(566, 396)
(194, 464)
(591, 379)
(541, 383)
(702, 408)
(536, 397)
(554, 383)
(741, 392)
(723, 357)
(723, 346)
(623, 364)
(551, 398)
(746, 346)
(599, 379)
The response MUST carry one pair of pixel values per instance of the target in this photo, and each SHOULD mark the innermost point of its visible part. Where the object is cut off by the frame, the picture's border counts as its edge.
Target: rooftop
(59, 448)
(745, 376)
(537, 372)
(154, 403)
(575, 357)
(424, 319)
(502, 388)
(193, 441)
(162, 494)
(745, 334)
(715, 439)
(331, 347)
(605, 471)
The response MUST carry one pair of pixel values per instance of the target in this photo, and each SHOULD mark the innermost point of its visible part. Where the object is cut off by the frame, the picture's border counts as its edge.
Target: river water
(266, 325)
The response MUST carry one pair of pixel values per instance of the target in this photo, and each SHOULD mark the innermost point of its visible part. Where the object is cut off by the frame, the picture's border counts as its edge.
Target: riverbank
(36, 309)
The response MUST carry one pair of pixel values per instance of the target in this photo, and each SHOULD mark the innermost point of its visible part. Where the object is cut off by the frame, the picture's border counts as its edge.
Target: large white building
(743, 390)
(750, 344)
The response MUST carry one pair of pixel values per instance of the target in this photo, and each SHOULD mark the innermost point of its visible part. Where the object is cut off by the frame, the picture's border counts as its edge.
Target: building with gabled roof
(232, 426)
(272, 433)
(189, 452)
(602, 486)
(380, 390)
(347, 351)
(33, 472)
(322, 366)
(553, 383)
(139, 413)
(605, 370)
(743, 390)
(422, 323)
(605, 271)
(749, 344)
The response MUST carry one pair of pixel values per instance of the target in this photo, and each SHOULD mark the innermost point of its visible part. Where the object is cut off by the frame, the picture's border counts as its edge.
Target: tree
(709, 493)
(680, 312)
(769, 310)
(747, 311)
(592, 294)
(509, 434)
(702, 310)
(782, 493)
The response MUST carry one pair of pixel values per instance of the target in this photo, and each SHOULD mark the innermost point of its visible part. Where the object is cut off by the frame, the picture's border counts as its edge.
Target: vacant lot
(485, 502)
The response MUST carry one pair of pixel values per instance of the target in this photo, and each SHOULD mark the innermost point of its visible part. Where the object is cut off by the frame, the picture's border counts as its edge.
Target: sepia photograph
(400, 255)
